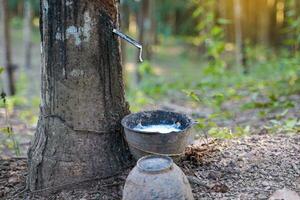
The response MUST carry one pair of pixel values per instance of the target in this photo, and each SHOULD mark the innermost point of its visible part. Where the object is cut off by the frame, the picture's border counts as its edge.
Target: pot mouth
(155, 163)
(156, 118)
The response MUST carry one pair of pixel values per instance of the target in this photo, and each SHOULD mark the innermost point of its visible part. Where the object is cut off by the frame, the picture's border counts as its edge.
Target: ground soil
(253, 167)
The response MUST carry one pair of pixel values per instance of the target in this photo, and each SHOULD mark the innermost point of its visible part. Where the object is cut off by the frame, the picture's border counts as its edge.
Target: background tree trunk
(27, 32)
(264, 21)
(79, 135)
(9, 68)
(144, 29)
(153, 13)
(238, 34)
(125, 15)
(144, 25)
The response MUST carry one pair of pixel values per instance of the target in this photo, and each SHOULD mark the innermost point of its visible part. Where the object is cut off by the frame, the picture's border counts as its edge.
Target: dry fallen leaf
(200, 149)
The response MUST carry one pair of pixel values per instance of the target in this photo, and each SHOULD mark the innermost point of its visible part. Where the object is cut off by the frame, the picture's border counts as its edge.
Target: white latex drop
(141, 53)
(161, 128)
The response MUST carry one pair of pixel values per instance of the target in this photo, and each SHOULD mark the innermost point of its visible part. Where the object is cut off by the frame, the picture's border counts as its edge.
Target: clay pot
(157, 177)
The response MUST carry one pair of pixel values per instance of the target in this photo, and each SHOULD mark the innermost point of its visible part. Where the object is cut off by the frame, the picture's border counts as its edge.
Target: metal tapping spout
(131, 41)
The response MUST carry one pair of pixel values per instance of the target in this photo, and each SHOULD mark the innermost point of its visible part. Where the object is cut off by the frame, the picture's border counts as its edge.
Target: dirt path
(249, 168)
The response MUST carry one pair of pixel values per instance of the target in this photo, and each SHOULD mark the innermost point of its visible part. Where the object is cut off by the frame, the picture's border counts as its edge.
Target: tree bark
(79, 135)
(9, 67)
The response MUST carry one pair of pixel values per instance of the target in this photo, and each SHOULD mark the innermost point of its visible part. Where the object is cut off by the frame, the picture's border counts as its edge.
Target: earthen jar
(157, 177)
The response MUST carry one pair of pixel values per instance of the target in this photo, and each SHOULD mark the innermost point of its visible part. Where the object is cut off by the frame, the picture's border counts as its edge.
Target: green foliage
(210, 35)
(17, 23)
(227, 133)
(35, 4)
(220, 132)
(192, 95)
(27, 113)
(15, 5)
(145, 69)
(266, 88)
(292, 30)
(288, 126)
(171, 9)
(9, 139)
(29, 117)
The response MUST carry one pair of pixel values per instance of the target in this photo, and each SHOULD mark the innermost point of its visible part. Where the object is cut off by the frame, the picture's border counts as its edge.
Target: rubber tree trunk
(27, 33)
(79, 135)
(9, 67)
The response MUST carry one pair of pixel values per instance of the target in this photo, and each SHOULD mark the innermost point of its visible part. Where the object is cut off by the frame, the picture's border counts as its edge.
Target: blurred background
(233, 65)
